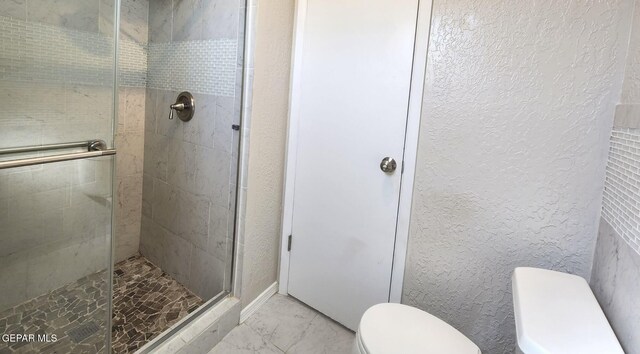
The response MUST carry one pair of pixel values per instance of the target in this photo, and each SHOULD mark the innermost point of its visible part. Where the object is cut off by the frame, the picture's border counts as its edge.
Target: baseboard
(258, 302)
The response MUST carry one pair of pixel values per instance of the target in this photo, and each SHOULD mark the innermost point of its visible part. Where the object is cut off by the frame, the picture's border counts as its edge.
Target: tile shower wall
(190, 167)
(615, 276)
(614, 280)
(49, 53)
(132, 80)
(55, 86)
(206, 66)
(621, 199)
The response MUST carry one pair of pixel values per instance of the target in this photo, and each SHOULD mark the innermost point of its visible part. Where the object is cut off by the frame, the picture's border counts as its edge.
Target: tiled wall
(130, 144)
(615, 276)
(194, 44)
(132, 60)
(190, 167)
(621, 200)
(614, 280)
(49, 53)
(205, 66)
(58, 66)
(55, 86)
(132, 69)
(45, 52)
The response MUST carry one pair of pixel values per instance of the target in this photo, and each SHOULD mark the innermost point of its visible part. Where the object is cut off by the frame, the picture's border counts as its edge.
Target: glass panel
(190, 167)
(189, 175)
(56, 86)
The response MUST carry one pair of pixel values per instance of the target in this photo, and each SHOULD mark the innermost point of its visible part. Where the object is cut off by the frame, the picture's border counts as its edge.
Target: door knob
(388, 165)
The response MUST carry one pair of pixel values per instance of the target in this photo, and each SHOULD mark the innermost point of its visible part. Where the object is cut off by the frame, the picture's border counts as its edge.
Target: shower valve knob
(185, 106)
(178, 106)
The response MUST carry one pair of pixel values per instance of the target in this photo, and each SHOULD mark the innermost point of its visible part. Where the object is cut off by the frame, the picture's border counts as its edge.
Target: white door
(353, 94)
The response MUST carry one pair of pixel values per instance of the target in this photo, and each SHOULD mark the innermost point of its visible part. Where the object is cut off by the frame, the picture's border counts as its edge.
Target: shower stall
(116, 222)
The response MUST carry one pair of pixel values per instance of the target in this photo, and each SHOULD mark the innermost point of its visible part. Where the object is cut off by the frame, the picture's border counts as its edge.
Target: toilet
(556, 312)
(396, 328)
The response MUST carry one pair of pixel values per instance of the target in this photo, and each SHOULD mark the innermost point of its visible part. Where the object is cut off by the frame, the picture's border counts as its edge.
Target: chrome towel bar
(91, 145)
(96, 148)
(55, 158)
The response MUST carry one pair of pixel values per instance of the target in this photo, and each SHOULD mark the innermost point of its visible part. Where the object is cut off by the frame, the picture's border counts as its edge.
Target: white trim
(410, 154)
(291, 153)
(416, 95)
(246, 312)
(243, 152)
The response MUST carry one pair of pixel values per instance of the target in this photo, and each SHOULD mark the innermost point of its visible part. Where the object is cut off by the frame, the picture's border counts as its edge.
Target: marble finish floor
(146, 302)
(285, 325)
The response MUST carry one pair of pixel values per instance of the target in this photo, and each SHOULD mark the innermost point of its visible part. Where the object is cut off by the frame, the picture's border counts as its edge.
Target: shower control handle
(388, 165)
(177, 106)
(185, 106)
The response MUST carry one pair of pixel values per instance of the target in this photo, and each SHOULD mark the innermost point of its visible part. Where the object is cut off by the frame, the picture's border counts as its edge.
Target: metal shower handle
(185, 106)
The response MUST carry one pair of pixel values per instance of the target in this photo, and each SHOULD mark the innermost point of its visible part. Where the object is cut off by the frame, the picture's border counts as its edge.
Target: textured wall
(631, 87)
(188, 195)
(518, 105)
(267, 147)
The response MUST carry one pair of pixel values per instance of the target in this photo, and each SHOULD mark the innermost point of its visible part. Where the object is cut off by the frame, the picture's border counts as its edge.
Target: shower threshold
(146, 302)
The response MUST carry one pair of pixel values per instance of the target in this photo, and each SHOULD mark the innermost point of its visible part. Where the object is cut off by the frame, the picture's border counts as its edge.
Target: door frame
(423, 26)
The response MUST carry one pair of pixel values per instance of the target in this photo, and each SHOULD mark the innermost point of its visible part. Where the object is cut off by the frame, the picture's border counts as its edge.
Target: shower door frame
(114, 181)
(423, 27)
(232, 285)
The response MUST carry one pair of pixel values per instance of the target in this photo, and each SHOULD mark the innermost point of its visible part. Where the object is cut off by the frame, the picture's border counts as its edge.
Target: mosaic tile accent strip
(35, 51)
(203, 66)
(31, 51)
(39, 52)
(621, 200)
(132, 64)
(146, 302)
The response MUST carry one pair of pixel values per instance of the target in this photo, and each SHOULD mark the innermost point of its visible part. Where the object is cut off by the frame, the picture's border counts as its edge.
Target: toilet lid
(395, 328)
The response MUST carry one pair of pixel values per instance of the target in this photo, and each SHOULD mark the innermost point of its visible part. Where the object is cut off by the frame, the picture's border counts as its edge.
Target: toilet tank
(557, 313)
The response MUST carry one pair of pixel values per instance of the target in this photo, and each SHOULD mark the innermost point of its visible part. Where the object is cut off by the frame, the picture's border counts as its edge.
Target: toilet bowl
(395, 328)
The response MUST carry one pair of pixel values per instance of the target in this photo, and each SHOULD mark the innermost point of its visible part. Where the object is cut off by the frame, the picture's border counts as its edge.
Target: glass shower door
(56, 162)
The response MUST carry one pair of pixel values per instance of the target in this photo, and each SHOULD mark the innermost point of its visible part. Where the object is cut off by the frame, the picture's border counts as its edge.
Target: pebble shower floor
(146, 301)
